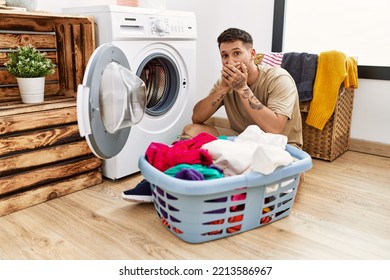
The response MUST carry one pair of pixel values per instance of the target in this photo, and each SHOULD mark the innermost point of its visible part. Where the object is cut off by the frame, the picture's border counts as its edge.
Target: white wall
(56, 6)
(217, 15)
(371, 111)
(371, 117)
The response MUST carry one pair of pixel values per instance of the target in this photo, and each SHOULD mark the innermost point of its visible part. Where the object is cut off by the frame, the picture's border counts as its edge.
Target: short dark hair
(234, 34)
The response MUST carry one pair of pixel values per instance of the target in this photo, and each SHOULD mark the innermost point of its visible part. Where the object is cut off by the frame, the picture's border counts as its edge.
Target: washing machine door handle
(110, 101)
(82, 114)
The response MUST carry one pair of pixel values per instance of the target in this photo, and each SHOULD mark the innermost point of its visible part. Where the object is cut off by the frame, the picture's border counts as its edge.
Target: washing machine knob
(160, 25)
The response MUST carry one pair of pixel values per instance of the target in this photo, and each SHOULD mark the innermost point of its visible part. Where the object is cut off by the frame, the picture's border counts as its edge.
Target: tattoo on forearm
(254, 103)
(240, 83)
(246, 93)
(217, 101)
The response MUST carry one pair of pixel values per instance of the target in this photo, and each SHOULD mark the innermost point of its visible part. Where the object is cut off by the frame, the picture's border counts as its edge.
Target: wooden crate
(333, 140)
(42, 155)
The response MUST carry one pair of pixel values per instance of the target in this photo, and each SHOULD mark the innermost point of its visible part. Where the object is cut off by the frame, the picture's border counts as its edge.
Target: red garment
(188, 151)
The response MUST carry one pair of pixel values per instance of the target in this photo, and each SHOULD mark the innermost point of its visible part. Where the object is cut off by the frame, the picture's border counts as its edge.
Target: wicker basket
(333, 140)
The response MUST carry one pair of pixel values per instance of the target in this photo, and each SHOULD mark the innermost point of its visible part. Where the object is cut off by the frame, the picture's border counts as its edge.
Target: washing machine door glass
(161, 76)
(111, 100)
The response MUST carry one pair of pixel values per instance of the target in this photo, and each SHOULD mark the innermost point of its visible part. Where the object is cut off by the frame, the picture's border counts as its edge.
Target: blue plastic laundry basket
(200, 211)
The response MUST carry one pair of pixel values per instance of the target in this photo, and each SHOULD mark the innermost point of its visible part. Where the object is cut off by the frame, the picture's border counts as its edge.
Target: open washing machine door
(111, 99)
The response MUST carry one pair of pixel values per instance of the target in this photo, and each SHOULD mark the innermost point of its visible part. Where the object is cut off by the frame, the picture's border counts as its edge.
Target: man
(251, 95)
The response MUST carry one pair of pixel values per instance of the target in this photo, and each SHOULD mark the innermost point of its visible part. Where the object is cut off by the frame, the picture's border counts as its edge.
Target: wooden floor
(342, 211)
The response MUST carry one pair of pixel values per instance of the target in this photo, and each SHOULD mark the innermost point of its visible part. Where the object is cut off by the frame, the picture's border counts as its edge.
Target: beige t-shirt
(276, 89)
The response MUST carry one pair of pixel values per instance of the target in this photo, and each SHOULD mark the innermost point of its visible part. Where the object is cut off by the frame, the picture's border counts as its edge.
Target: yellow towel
(351, 81)
(331, 72)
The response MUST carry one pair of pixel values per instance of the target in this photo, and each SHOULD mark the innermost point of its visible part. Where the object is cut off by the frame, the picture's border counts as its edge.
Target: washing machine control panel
(171, 27)
(158, 25)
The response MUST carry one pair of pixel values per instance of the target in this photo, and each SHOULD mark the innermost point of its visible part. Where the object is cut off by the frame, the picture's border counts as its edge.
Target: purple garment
(189, 174)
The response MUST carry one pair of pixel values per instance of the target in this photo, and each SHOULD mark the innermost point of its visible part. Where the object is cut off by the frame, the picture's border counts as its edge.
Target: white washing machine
(160, 48)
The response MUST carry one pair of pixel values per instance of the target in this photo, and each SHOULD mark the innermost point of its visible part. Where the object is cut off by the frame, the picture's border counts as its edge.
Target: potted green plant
(30, 68)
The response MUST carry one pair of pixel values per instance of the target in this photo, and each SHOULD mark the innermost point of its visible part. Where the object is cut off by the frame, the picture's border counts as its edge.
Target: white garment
(252, 150)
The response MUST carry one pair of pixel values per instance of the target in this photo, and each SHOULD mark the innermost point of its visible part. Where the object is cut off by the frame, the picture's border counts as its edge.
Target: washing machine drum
(111, 99)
